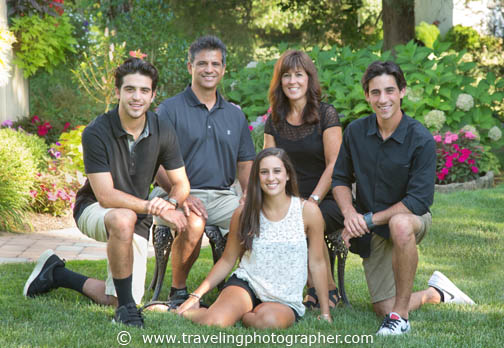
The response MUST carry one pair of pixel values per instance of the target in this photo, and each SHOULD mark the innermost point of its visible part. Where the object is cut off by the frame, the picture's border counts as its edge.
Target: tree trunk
(398, 22)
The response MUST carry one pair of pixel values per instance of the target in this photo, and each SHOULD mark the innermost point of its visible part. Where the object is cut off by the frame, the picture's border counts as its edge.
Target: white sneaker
(451, 293)
(393, 324)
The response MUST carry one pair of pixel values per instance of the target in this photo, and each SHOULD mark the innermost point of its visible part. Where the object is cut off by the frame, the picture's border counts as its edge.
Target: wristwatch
(316, 198)
(173, 201)
(368, 217)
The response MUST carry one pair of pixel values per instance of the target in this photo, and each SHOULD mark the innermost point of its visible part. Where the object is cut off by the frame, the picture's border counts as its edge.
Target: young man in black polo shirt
(216, 145)
(123, 150)
(392, 159)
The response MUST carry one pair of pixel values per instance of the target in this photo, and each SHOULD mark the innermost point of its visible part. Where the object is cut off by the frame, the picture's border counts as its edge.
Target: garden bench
(337, 249)
(162, 239)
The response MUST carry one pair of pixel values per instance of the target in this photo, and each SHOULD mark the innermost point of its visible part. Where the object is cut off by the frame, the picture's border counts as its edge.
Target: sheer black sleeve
(329, 117)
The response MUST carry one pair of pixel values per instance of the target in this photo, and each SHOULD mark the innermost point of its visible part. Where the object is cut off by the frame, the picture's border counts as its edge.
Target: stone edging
(486, 181)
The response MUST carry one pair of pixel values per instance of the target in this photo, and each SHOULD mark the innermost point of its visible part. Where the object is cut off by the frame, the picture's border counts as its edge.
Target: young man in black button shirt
(123, 150)
(216, 145)
(392, 159)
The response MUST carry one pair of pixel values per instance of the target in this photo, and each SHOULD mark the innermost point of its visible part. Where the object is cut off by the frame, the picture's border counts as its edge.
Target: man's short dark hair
(208, 42)
(378, 68)
(133, 66)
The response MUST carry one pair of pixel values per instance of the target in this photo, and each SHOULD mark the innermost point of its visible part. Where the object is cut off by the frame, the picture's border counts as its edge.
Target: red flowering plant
(36, 125)
(457, 157)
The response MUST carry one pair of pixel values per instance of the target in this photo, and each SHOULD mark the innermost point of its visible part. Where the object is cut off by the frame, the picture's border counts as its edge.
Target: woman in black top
(310, 132)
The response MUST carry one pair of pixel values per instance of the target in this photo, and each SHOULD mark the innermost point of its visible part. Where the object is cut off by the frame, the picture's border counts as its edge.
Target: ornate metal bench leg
(162, 240)
(341, 252)
(217, 243)
(337, 249)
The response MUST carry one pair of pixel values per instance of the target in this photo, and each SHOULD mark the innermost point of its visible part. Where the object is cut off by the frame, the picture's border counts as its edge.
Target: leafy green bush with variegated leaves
(18, 167)
(436, 78)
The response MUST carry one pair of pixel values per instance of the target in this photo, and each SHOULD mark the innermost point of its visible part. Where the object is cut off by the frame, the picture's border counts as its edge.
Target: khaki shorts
(220, 206)
(92, 224)
(378, 266)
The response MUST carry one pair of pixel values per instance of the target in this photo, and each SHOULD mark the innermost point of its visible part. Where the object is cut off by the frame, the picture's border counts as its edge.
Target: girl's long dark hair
(249, 219)
(280, 106)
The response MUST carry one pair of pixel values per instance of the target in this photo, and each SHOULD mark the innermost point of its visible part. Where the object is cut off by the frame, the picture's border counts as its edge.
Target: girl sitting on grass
(269, 234)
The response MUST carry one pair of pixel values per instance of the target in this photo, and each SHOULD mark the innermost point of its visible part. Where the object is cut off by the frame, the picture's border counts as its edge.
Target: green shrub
(427, 33)
(70, 149)
(42, 42)
(36, 146)
(56, 98)
(463, 37)
(436, 80)
(17, 171)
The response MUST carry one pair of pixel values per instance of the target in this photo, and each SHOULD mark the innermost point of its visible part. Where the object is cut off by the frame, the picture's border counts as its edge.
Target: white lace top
(276, 266)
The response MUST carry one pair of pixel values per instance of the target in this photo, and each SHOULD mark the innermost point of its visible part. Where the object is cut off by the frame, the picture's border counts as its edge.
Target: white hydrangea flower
(495, 133)
(414, 96)
(465, 102)
(472, 129)
(435, 119)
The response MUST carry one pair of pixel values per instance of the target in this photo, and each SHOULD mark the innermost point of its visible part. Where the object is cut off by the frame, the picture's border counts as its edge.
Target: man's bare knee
(192, 235)
(402, 228)
(121, 223)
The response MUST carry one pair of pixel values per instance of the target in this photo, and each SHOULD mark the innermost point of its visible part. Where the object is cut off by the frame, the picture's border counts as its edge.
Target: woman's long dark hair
(280, 106)
(249, 219)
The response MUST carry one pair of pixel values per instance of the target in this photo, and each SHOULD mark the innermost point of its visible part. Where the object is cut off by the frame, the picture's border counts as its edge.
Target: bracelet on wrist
(192, 294)
(368, 218)
(173, 202)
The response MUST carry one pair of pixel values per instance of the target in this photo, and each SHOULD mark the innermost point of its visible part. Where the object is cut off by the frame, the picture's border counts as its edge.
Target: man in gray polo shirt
(216, 146)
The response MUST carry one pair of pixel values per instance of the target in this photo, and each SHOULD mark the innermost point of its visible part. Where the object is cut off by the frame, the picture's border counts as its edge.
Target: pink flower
(448, 139)
(265, 117)
(454, 137)
(33, 193)
(35, 119)
(51, 196)
(269, 110)
(445, 171)
(455, 146)
(470, 135)
(42, 131)
(462, 159)
(137, 54)
(7, 123)
(474, 169)
(438, 138)
(66, 126)
(449, 163)
(466, 152)
(251, 128)
(471, 161)
(440, 176)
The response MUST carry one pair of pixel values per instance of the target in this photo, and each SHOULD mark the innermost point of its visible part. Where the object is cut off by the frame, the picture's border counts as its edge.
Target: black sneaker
(41, 279)
(129, 315)
(177, 297)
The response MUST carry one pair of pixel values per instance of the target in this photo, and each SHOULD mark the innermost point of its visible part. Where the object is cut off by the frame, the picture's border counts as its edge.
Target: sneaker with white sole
(393, 324)
(451, 293)
(41, 279)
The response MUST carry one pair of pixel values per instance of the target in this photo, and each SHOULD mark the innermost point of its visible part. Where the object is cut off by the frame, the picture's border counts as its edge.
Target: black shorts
(332, 215)
(234, 280)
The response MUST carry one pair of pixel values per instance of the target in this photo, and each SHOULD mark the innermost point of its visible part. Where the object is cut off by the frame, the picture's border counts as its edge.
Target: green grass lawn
(466, 243)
